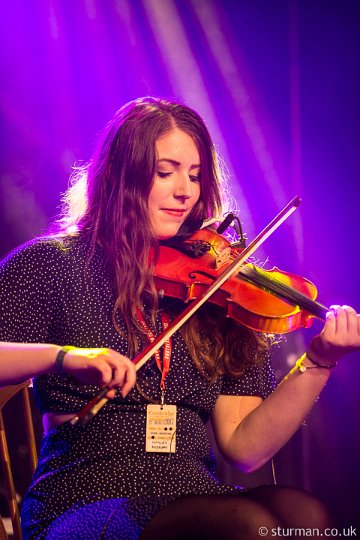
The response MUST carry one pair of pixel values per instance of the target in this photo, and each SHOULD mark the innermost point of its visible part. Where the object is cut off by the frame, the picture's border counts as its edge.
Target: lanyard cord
(163, 363)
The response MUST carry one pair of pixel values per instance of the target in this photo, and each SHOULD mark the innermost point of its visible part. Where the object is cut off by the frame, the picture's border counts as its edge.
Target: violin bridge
(224, 257)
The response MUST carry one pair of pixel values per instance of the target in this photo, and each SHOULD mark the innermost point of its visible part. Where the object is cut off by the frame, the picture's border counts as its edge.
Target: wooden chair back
(6, 394)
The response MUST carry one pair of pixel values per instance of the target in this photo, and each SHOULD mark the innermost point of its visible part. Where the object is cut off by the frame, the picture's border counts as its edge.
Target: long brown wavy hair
(108, 204)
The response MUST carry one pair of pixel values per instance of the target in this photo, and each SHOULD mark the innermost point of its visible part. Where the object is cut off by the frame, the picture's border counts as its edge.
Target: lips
(175, 212)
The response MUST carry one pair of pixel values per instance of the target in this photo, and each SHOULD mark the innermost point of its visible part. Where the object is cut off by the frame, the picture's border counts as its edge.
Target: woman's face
(176, 185)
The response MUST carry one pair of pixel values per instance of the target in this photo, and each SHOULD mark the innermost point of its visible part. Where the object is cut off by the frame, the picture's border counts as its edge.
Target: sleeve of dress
(27, 293)
(258, 380)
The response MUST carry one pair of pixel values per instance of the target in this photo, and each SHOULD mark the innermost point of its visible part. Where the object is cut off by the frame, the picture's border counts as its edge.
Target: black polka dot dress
(97, 481)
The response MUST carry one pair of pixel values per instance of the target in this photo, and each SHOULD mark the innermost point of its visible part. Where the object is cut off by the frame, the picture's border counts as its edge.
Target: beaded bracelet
(302, 367)
(59, 360)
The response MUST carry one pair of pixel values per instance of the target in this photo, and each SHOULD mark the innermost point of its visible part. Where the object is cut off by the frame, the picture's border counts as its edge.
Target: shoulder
(43, 254)
(44, 248)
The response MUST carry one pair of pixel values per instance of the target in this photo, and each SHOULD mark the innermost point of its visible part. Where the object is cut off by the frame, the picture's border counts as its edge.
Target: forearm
(98, 366)
(20, 361)
(268, 427)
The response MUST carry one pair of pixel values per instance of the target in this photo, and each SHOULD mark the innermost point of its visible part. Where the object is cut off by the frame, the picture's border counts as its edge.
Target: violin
(225, 278)
(270, 301)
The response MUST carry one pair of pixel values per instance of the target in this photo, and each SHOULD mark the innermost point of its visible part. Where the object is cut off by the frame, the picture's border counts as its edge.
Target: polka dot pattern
(48, 294)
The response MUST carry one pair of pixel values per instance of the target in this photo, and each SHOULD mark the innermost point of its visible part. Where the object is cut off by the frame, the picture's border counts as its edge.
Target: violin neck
(276, 287)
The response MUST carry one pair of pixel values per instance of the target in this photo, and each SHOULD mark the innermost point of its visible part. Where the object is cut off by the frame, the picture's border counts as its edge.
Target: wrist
(59, 359)
(306, 361)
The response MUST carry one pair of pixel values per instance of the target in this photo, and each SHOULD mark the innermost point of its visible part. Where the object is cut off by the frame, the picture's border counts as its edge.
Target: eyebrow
(177, 163)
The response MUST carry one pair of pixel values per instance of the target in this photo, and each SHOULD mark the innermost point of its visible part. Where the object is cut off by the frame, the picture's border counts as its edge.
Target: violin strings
(285, 292)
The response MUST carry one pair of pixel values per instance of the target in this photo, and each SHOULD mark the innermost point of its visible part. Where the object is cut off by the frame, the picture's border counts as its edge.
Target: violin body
(187, 278)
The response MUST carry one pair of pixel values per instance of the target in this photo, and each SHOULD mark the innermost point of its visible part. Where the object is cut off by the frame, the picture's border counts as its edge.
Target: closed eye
(193, 177)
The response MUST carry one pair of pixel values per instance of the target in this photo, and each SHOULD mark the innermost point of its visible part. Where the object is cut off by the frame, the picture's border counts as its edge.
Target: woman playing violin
(76, 307)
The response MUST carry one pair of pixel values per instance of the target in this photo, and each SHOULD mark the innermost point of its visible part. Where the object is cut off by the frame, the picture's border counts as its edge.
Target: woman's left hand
(340, 335)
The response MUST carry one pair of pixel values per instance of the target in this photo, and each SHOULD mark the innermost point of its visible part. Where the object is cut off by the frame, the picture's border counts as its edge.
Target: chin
(167, 232)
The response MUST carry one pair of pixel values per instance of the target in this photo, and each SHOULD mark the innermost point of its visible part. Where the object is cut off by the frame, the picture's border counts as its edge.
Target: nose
(183, 187)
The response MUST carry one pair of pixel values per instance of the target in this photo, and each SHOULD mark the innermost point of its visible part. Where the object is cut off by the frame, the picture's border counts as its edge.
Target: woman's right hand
(101, 367)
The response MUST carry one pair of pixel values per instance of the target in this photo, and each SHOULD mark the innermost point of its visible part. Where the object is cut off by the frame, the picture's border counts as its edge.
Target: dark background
(278, 84)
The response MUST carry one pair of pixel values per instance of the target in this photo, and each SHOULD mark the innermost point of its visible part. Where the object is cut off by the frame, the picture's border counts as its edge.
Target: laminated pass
(161, 428)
